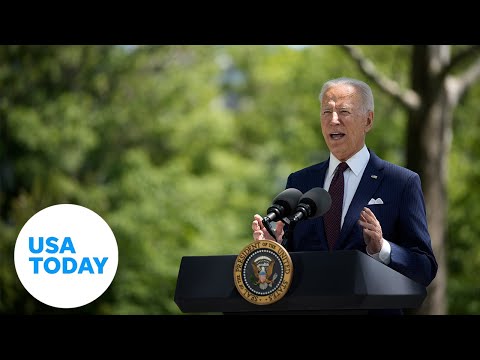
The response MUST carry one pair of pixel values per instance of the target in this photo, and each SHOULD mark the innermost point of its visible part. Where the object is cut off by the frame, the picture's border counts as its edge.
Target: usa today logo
(66, 256)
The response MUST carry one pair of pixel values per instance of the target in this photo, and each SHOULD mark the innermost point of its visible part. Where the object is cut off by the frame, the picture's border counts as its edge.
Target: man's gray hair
(362, 87)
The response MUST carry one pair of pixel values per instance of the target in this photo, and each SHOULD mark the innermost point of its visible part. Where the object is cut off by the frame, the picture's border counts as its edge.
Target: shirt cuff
(384, 254)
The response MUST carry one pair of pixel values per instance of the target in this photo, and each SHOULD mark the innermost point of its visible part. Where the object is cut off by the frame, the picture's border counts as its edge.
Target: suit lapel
(319, 222)
(371, 179)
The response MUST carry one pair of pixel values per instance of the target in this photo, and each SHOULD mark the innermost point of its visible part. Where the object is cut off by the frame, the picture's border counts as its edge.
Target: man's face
(344, 121)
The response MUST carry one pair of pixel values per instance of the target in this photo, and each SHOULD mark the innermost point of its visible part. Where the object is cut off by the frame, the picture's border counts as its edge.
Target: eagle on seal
(263, 276)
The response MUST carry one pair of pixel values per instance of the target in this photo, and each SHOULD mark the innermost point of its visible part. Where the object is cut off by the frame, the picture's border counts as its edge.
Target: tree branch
(407, 98)
(458, 85)
(461, 56)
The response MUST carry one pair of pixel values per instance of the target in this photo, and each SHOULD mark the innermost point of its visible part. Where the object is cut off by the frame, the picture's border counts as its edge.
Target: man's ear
(369, 121)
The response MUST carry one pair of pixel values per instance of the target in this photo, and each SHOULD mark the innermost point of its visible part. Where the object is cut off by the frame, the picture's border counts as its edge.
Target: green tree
(54, 96)
(176, 147)
(439, 79)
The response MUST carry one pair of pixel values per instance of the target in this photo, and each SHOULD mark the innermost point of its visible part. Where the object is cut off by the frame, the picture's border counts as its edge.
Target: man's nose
(335, 117)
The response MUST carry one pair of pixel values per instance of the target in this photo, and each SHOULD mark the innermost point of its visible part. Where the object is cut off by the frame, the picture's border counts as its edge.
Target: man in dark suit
(383, 210)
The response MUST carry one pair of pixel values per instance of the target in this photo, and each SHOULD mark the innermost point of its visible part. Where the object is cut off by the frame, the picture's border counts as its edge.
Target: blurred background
(177, 147)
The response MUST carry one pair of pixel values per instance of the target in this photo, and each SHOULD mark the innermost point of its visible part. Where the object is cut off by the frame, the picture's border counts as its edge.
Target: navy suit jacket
(402, 217)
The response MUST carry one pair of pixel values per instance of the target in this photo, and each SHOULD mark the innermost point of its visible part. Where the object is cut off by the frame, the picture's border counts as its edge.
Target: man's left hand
(372, 231)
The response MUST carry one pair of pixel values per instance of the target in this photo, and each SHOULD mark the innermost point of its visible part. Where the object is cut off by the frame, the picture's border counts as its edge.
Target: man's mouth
(337, 135)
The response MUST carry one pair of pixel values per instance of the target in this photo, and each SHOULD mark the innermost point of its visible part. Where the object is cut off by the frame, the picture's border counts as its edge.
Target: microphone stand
(289, 233)
(269, 228)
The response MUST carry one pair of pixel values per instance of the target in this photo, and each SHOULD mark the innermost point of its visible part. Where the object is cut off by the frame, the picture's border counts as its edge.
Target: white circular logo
(66, 256)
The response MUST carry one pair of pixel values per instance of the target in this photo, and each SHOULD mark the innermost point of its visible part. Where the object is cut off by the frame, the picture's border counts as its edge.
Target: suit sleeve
(412, 254)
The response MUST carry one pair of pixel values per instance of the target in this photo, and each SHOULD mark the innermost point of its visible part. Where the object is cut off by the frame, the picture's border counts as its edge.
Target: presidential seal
(263, 272)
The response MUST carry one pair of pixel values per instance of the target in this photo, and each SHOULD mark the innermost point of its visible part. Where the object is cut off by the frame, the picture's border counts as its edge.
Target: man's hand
(261, 233)
(372, 231)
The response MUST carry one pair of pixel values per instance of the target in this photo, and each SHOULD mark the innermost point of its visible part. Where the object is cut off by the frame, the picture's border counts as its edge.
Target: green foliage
(463, 249)
(176, 147)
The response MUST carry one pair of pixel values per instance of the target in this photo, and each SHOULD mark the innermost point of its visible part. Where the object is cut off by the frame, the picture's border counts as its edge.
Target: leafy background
(176, 147)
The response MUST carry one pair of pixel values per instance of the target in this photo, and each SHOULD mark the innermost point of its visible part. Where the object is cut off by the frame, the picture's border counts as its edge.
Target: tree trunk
(435, 92)
(428, 146)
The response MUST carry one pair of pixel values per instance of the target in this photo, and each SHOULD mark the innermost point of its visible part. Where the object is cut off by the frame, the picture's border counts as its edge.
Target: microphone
(282, 206)
(314, 203)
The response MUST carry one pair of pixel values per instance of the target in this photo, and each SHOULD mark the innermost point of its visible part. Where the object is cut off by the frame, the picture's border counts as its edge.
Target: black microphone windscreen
(319, 201)
(288, 199)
